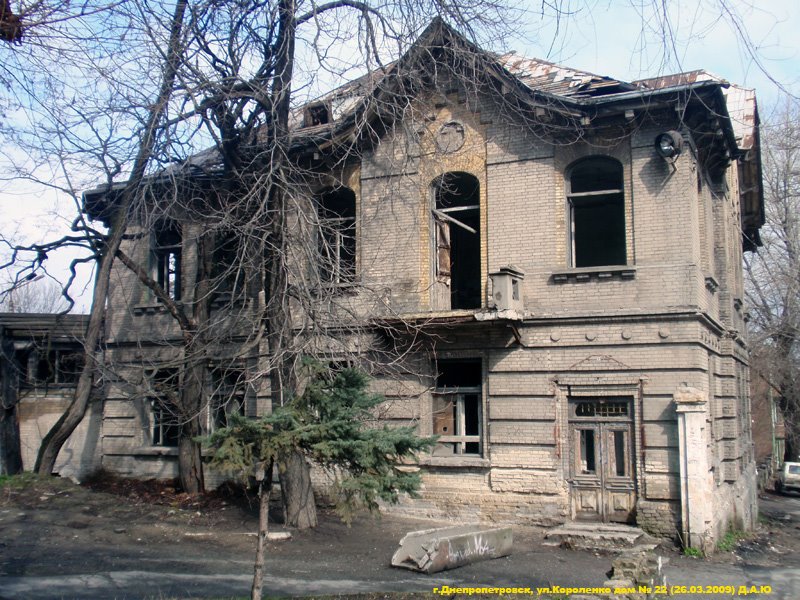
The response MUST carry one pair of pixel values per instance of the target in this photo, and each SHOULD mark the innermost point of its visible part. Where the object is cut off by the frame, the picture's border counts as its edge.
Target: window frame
(337, 264)
(614, 196)
(453, 396)
(167, 255)
(459, 439)
(163, 433)
(228, 395)
(443, 238)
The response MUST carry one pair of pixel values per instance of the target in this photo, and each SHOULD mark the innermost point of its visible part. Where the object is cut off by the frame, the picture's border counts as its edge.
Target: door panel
(587, 474)
(602, 472)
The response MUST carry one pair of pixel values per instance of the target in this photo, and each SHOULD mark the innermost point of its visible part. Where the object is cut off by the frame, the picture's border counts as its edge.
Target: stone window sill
(583, 274)
(156, 451)
(476, 462)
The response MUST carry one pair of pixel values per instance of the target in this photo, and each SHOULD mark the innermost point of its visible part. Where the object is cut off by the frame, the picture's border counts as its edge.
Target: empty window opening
(337, 237)
(49, 367)
(227, 396)
(597, 213)
(166, 428)
(167, 259)
(457, 412)
(228, 267)
(316, 114)
(456, 217)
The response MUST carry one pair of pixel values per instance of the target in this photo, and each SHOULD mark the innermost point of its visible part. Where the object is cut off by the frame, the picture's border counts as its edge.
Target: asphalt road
(49, 548)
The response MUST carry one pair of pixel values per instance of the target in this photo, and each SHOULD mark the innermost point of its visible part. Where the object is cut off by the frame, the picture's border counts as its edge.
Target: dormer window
(316, 114)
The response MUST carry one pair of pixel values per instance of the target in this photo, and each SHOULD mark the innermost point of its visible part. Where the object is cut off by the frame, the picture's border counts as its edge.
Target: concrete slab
(598, 536)
(434, 550)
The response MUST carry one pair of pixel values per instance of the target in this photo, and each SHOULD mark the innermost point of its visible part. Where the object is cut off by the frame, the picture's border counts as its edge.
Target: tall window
(167, 258)
(457, 414)
(227, 396)
(597, 213)
(337, 238)
(457, 223)
(163, 402)
(229, 267)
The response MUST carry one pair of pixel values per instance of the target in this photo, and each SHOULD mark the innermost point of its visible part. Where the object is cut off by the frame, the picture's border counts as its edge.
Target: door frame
(594, 479)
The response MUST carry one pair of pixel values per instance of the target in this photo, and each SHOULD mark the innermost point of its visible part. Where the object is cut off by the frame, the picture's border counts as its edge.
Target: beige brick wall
(672, 323)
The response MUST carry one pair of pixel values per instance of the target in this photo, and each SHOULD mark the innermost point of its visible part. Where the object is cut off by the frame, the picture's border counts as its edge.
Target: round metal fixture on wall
(669, 144)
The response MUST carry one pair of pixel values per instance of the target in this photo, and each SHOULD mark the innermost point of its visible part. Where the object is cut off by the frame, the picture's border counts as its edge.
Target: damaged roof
(573, 93)
(560, 80)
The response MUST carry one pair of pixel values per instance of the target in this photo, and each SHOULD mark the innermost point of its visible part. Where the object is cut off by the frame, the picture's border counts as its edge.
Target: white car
(789, 478)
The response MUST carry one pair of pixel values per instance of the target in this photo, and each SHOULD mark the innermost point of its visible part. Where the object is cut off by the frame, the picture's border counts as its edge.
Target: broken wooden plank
(434, 550)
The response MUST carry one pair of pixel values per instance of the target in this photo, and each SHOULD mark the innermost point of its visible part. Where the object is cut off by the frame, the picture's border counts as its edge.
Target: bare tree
(35, 295)
(773, 273)
(239, 96)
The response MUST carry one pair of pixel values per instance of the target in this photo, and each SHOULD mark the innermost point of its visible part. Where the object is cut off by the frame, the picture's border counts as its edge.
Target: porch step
(598, 536)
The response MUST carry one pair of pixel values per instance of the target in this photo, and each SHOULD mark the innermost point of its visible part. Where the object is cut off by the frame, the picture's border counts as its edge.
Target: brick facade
(575, 415)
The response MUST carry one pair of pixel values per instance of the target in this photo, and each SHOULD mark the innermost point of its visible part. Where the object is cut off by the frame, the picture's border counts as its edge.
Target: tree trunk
(10, 450)
(264, 489)
(71, 418)
(298, 494)
(190, 460)
(66, 424)
(10, 453)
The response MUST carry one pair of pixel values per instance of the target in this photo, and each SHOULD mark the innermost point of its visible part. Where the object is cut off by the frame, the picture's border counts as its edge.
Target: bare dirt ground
(144, 540)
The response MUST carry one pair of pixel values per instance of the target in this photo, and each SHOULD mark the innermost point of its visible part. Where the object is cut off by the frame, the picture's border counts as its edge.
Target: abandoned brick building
(40, 360)
(568, 247)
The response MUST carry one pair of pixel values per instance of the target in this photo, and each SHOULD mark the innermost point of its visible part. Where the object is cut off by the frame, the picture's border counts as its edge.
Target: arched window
(457, 223)
(597, 212)
(337, 238)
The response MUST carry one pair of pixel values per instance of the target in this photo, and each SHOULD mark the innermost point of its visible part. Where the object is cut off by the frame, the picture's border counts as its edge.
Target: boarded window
(457, 408)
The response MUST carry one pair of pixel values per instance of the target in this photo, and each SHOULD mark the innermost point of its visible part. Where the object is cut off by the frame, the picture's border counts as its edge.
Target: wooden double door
(601, 455)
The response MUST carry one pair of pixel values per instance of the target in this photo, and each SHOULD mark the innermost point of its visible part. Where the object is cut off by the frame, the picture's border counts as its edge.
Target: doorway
(601, 459)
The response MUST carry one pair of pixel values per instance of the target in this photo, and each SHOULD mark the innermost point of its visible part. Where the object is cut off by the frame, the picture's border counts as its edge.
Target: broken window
(457, 413)
(227, 396)
(228, 267)
(587, 457)
(597, 213)
(166, 426)
(59, 367)
(316, 114)
(337, 236)
(456, 227)
(167, 258)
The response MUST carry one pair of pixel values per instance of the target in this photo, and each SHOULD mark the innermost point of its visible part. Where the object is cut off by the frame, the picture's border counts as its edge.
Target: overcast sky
(607, 37)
